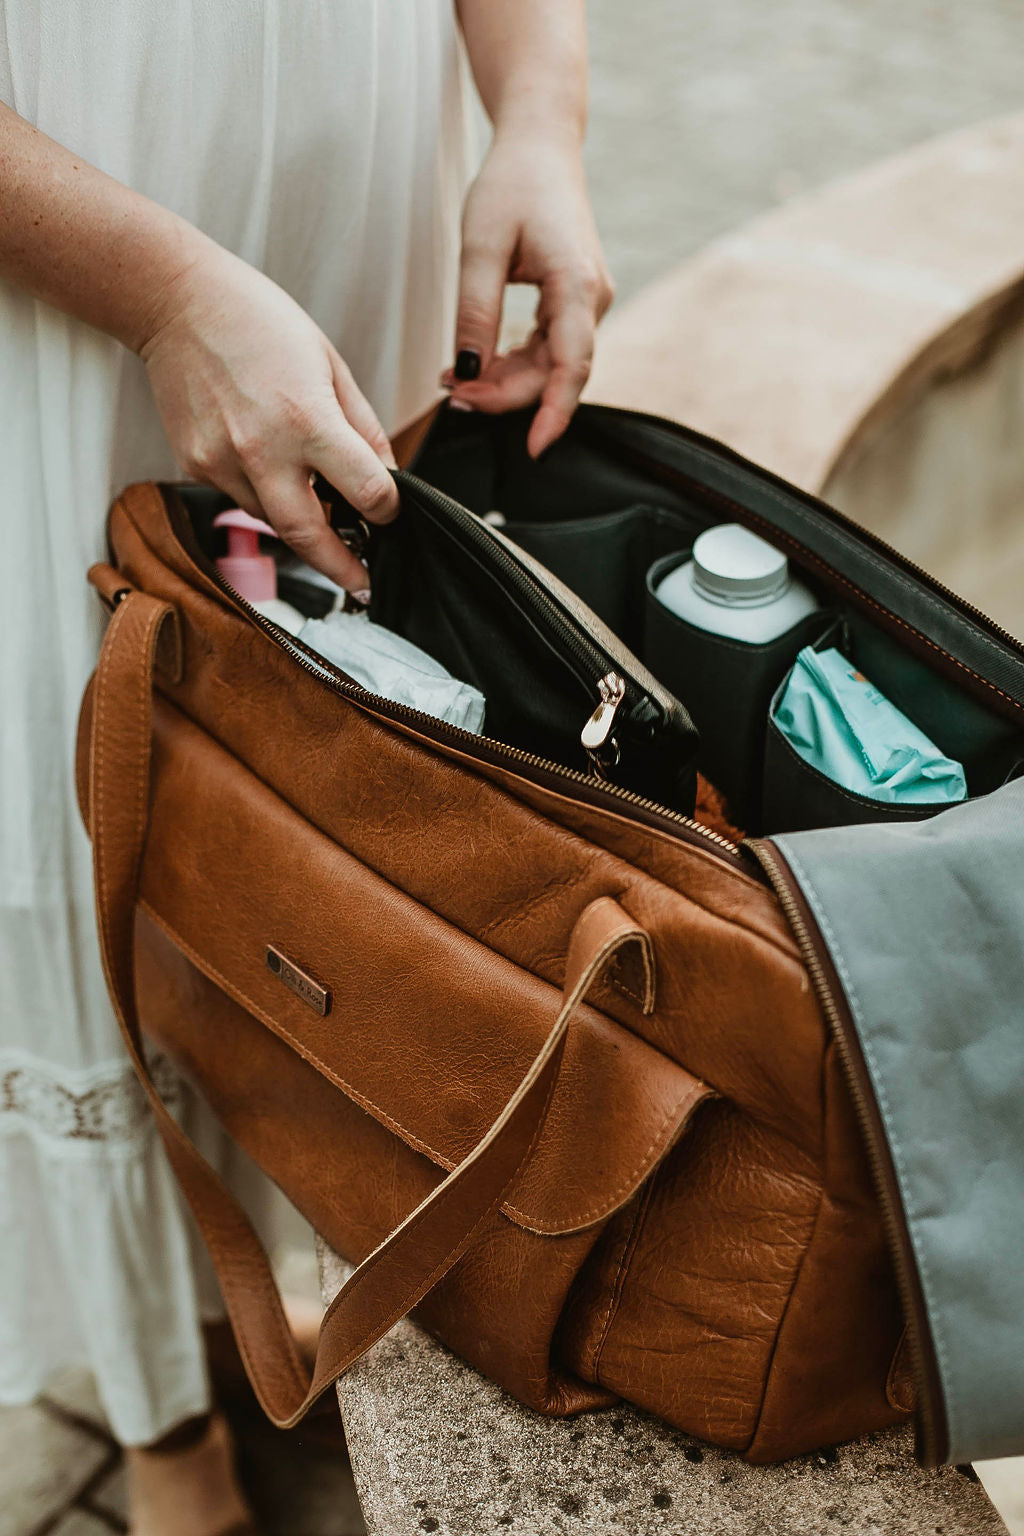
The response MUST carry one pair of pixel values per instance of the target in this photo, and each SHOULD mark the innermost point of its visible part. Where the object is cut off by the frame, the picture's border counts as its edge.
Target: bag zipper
(931, 1428)
(596, 737)
(596, 790)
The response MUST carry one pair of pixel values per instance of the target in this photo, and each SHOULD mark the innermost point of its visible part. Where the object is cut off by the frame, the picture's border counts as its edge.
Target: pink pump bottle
(252, 574)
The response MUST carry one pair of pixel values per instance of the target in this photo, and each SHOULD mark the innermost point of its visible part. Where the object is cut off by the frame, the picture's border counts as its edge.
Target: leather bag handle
(408, 1263)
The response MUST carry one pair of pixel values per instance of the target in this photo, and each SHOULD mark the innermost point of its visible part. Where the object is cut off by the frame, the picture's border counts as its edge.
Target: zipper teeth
(765, 855)
(321, 669)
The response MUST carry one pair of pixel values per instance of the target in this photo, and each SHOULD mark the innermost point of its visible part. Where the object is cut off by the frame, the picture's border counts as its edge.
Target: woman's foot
(186, 1485)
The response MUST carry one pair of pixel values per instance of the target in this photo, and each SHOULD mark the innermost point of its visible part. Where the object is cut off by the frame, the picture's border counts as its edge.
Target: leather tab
(604, 928)
(112, 587)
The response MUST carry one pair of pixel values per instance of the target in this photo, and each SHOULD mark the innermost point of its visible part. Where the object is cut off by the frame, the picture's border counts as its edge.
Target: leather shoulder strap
(400, 1272)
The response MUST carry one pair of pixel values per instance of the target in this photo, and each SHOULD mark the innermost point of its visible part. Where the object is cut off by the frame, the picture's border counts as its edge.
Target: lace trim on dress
(105, 1106)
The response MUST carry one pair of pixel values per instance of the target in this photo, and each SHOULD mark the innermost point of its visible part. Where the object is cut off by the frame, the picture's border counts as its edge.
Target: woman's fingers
(570, 336)
(351, 466)
(553, 367)
(482, 278)
(288, 502)
(358, 410)
(237, 485)
(512, 381)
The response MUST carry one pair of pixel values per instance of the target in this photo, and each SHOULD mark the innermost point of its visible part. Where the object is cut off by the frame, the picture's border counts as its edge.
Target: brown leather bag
(542, 1057)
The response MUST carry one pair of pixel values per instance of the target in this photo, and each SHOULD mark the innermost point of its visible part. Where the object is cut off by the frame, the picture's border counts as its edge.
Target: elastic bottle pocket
(726, 685)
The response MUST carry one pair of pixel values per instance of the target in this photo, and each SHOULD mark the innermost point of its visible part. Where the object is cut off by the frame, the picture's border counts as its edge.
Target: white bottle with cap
(737, 585)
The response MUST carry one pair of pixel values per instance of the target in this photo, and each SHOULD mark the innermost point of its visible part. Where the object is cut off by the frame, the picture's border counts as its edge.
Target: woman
(228, 248)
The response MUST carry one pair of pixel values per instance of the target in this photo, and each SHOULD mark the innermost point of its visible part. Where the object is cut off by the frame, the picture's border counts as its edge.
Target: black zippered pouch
(559, 684)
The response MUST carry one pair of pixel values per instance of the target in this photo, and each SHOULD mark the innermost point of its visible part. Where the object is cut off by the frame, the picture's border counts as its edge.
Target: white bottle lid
(735, 567)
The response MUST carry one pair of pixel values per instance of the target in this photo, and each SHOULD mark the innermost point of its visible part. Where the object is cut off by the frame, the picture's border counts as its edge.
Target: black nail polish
(467, 365)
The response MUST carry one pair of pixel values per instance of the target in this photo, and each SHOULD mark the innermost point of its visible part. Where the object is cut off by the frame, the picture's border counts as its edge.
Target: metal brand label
(298, 980)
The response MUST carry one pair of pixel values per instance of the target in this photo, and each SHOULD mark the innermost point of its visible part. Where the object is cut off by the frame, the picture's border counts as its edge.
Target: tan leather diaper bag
(558, 1066)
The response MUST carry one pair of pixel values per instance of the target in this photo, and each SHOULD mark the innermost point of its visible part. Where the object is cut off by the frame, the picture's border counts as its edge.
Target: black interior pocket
(427, 586)
(989, 746)
(728, 686)
(799, 797)
(593, 519)
(603, 559)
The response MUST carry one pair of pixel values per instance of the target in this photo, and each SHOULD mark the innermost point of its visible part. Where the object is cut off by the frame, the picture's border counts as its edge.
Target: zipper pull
(597, 739)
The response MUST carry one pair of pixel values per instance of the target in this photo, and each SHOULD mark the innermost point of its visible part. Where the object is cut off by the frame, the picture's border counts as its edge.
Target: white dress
(324, 141)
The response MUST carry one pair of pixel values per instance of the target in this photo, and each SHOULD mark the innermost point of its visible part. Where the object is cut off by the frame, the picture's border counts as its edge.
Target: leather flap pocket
(425, 1027)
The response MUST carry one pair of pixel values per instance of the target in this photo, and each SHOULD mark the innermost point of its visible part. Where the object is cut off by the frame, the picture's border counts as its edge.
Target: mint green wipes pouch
(841, 725)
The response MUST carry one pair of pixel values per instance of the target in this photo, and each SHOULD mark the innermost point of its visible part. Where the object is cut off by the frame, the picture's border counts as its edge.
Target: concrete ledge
(437, 1448)
(801, 333)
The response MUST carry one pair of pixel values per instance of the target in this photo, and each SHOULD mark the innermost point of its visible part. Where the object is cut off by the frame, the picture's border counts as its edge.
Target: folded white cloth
(396, 669)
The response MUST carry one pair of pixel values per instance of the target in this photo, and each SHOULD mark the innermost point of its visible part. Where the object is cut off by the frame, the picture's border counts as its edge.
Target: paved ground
(701, 117)
(62, 1475)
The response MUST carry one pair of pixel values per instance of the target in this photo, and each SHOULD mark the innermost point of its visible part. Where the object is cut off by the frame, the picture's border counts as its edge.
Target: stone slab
(437, 1448)
(805, 329)
(44, 1463)
(80, 1523)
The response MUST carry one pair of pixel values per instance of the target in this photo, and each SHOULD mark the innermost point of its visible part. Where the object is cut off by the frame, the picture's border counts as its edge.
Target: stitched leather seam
(618, 1284)
(780, 1325)
(523, 1219)
(627, 991)
(645, 1000)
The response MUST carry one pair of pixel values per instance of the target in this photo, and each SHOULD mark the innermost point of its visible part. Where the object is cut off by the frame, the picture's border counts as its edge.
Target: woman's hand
(252, 394)
(528, 219)
(254, 399)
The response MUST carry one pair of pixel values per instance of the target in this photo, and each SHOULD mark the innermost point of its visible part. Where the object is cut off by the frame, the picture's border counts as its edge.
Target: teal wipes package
(841, 725)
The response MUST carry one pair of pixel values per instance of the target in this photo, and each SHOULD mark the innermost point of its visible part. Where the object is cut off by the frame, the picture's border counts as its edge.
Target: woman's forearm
(82, 241)
(529, 60)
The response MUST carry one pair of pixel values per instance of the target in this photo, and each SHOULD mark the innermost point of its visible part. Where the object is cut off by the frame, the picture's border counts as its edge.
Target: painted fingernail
(459, 405)
(467, 364)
